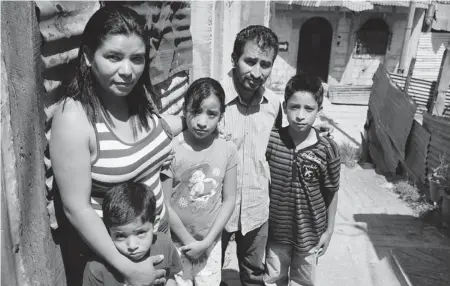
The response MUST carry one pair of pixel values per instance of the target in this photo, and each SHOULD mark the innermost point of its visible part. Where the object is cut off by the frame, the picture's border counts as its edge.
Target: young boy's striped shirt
(303, 183)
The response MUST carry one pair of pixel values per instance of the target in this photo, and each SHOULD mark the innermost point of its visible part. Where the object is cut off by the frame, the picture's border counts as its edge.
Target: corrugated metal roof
(392, 109)
(420, 90)
(356, 5)
(62, 22)
(352, 5)
(429, 55)
(416, 151)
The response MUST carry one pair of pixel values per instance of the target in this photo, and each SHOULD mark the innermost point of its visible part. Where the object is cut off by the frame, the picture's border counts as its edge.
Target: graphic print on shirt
(197, 187)
(310, 166)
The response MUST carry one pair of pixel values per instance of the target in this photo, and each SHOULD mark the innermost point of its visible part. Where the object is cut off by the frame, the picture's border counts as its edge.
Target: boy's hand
(195, 250)
(324, 241)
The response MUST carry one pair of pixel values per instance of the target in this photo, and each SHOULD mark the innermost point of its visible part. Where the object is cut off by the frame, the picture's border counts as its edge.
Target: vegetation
(350, 155)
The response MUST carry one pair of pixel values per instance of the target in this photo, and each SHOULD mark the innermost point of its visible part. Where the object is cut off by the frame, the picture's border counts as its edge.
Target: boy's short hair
(263, 36)
(126, 202)
(303, 81)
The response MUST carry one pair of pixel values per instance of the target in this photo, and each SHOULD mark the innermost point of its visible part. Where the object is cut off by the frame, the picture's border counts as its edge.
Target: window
(372, 38)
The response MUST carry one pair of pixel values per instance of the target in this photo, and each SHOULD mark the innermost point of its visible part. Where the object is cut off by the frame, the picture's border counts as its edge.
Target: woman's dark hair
(201, 89)
(126, 202)
(105, 22)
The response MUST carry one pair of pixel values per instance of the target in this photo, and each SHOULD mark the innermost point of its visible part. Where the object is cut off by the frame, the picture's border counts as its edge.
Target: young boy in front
(304, 170)
(129, 212)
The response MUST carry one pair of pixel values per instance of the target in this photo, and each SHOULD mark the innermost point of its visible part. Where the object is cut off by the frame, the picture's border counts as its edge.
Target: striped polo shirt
(118, 162)
(302, 186)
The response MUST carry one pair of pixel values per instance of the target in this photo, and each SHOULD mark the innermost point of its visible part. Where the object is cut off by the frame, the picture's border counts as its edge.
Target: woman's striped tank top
(118, 162)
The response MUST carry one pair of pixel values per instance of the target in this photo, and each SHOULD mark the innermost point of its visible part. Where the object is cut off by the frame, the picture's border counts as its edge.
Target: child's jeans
(205, 273)
(286, 266)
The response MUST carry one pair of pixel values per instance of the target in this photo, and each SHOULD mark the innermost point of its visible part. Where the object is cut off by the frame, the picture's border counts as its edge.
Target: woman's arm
(71, 162)
(176, 225)
(176, 123)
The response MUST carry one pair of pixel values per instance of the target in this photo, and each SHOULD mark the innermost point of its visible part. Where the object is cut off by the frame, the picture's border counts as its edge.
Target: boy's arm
(331, 213)
(176, 225)
(331, 186)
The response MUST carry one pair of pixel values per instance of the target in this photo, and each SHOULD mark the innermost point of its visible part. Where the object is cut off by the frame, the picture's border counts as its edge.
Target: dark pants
(75, 254)
(250, 253)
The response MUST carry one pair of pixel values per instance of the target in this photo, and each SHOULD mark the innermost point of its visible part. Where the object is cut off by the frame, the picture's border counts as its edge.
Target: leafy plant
(440, 173)
(349, 155)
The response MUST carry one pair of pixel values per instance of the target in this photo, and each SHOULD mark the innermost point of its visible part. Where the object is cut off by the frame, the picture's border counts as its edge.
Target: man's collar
(258, 98)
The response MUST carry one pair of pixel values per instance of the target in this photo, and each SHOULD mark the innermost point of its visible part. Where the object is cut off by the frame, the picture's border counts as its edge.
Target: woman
(106, 131)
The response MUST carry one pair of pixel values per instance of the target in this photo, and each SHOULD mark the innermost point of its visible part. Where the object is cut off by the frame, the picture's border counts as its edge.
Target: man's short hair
(263, 36)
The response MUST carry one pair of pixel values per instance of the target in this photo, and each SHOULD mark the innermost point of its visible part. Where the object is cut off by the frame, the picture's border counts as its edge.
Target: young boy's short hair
(305, 82)
(128, 201)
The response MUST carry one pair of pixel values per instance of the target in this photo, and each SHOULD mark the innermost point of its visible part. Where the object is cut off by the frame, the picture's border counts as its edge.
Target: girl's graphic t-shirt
(197, 183)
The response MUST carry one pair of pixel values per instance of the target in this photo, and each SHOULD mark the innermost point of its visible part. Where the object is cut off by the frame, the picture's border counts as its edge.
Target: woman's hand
(144, 273)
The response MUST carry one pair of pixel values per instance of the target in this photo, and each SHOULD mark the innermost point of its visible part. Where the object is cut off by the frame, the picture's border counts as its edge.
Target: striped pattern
(119, 162)
(249, 126)
(302, 184)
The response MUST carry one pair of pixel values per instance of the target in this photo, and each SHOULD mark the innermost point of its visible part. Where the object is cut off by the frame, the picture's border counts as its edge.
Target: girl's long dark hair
(105, 22)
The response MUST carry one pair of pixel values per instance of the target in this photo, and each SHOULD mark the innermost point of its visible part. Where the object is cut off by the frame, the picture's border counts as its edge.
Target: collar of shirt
(257, 99)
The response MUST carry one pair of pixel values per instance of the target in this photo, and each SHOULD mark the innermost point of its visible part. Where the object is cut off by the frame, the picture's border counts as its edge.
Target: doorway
(315, 47)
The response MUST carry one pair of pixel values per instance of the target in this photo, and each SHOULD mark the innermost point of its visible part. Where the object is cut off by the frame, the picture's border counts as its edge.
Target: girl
(200, 188)
(106, 131)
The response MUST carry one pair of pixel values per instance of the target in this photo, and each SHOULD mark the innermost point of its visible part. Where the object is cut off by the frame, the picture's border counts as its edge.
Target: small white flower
(183, 202)
(216, 172)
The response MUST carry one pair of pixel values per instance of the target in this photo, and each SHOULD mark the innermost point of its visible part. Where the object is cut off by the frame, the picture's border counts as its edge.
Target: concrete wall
(229, 17)
(344, 67)
(25, 227)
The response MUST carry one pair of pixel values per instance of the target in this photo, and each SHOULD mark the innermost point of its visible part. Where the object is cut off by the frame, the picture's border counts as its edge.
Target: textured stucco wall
(228, 18)
(33, 243)
(343, 68)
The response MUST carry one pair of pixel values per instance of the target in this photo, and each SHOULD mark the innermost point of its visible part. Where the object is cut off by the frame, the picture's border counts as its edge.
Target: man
(249, 117)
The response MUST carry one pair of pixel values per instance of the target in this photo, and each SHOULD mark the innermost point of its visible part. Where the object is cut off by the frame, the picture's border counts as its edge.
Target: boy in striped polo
(304, 170)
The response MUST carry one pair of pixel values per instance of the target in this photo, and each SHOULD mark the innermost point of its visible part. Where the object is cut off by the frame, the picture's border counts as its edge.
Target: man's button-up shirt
(249, 126)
